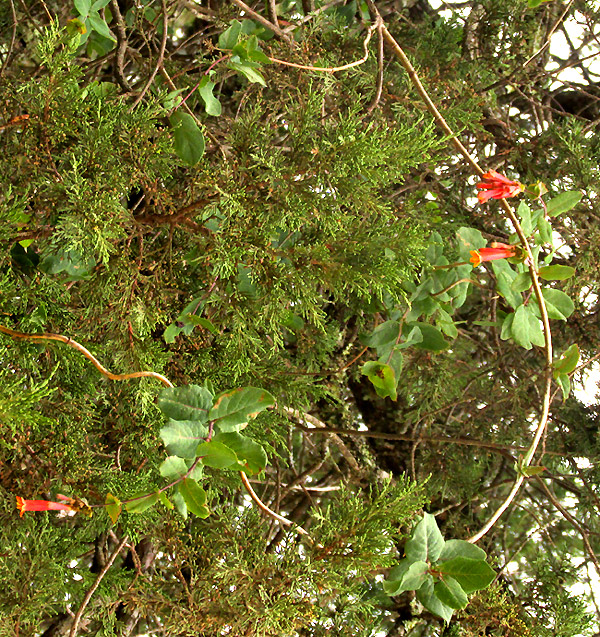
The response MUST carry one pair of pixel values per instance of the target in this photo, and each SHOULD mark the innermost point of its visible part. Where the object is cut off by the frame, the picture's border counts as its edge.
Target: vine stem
(46, 336)
(459, 146)
(263, 507)
(334, 69)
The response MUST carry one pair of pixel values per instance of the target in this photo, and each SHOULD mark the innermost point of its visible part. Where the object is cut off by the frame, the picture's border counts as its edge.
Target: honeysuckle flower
(494, 252)
(497, 186)
(43, 505)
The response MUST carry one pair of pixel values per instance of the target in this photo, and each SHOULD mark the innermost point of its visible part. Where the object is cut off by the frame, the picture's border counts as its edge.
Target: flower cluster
(497, 186)
(44, 505)
(494, 252)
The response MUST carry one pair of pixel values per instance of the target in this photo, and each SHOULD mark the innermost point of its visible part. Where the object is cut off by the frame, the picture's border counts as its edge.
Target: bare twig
(315, 422)
(263, 507)
(121, 46)
(379, 86)
(12, 39)
(574, 523)
(161, 56)
(269, 25)
(88, 596)
(549, 36)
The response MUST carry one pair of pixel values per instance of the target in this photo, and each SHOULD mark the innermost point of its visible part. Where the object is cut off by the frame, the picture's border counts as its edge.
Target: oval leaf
(190, 402)
(383, 378)
(563, 202)
(559, 305)
(568, 361)
(233, 409)
(249, 452)
(556, 272)
(141, 503)
(471, 574)
(113, 507)
(187, 137)
(194, 497)
(216, 454)
(182, 437)
(426, 542)
(450, 593)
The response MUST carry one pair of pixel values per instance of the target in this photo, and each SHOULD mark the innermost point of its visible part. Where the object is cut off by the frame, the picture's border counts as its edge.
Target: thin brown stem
(161, 56)
(269, 25)
(88, 595)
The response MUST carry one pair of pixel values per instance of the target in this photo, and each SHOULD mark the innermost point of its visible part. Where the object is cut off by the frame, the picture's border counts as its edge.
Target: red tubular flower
(496, 251)
(41, 505)
(498, 186)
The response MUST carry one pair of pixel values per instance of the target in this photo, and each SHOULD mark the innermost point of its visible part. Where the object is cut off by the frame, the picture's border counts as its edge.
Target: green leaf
(141, 503)
(426, 595)
(383, 378)
(384, 337)
(392, 586)
(233, 409)
(414, 577)
(545, 229)
(426, 542)
(469, 239)
(83, 6)
(173, 468)
(433, 339)
(182, 437)
(211, 104)
(563, 202)
(521, 327)
(254, 52)
(98, 25)
(189, 402)
(113, 507)
(568, 361)
(251, 73)
(525, 213)
(172, 332)
(507, 324)
(559, 305)
(556, 272)
(248, 451)
(99, 4)
(228, 39)
(450, 593)
(216, 454)
(165, 501)
(180, 504)
(565, 384)
(187, 137)
(521, 282)
(505, 276)
(461, 548)
(471, 574)
(71, 262)
(192, 319)
(533, 470)
(195, 497)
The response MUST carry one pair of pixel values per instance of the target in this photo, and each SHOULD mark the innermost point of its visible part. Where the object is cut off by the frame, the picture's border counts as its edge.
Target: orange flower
(498, 186)
(496, 251)
(42, 505)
